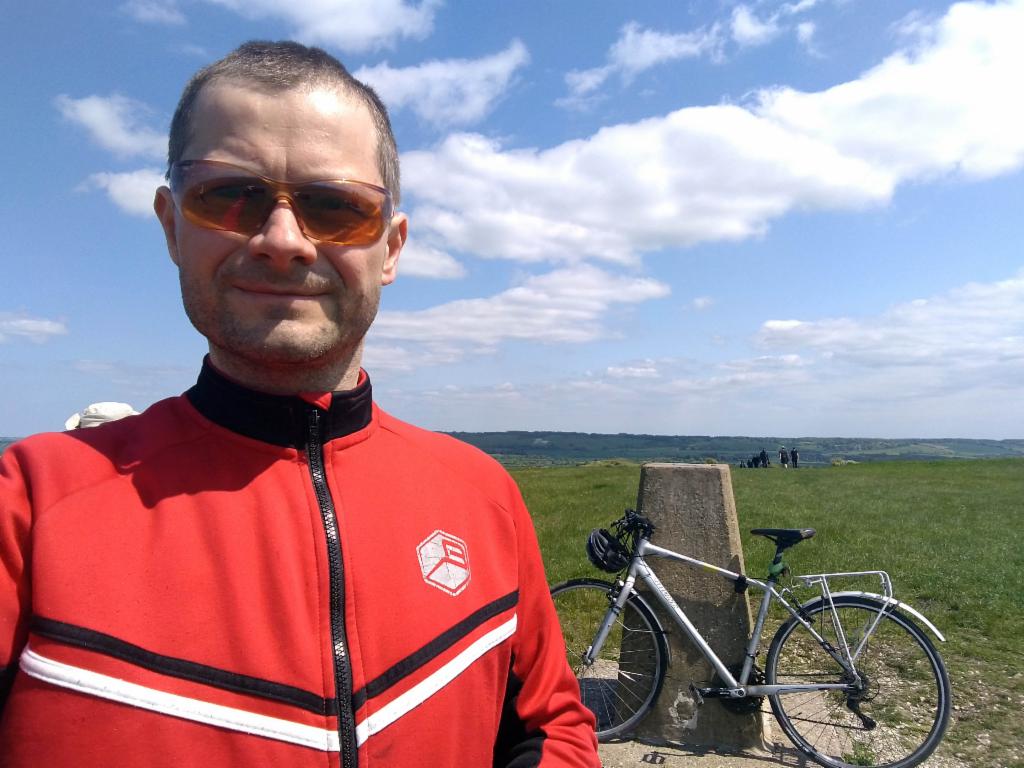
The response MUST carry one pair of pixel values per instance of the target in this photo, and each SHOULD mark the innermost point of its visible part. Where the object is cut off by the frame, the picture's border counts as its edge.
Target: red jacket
(240, 579)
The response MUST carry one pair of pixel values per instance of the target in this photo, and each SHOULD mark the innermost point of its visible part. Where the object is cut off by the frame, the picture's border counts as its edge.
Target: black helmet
(606, 552)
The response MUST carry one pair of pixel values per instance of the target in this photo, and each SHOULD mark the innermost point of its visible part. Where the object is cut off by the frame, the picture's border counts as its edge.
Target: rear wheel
(894, 717)
(622, 683)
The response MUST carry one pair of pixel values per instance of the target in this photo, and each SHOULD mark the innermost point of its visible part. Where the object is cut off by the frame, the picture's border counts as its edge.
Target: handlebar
(633, 524)
(611, 551)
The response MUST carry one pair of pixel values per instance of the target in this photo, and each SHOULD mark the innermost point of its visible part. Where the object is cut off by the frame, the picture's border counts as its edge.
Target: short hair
(280, 66)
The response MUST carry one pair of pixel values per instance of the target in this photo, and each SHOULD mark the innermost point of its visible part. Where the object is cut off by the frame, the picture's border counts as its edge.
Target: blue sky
(796, 218)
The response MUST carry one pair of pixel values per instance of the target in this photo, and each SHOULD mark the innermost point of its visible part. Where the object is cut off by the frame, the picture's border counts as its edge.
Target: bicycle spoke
(893, 716)
(621, 684)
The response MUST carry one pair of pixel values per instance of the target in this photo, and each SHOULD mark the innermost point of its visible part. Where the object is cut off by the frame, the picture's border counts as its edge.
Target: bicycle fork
(611, 616)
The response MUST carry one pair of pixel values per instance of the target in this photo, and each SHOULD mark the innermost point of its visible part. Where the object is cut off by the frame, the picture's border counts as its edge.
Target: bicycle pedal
(698, 699)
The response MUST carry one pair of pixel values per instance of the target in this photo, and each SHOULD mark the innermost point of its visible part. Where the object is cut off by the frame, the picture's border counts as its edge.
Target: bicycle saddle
(784, 537)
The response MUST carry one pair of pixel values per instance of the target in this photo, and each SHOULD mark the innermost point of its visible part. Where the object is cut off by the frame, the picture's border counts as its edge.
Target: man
(269, 570)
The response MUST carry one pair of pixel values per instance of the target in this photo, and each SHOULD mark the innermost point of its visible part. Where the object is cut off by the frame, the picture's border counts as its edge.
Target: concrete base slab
(635, 754)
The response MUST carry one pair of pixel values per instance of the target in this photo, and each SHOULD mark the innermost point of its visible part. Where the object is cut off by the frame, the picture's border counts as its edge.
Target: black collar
(278, 419)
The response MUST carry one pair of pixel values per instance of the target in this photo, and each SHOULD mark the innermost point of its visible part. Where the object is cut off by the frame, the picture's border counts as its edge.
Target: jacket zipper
(342, 665)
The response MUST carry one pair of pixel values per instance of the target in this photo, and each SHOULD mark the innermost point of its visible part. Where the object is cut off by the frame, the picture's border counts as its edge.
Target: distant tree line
(540, 448)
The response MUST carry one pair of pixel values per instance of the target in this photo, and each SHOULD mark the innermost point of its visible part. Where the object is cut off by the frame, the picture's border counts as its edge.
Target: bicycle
(850, 676)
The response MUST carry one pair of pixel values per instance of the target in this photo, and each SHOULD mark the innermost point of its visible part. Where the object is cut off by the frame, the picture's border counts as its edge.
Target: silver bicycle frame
(638, 568)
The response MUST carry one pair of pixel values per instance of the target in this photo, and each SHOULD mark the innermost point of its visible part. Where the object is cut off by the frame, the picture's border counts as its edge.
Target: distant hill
(543, 448)
(526, 448)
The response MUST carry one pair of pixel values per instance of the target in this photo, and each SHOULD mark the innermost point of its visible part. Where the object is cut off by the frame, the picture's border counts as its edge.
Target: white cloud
(354, 26)
(724, 172)
(798, 7)
(583, 82)
(947, 365)
(748, 30)
(702, 302)
(154, 11)
(950, 364)
(647, 396)
(917, 26)
(21, 326)
(716, 173)
(449, 92)
(646, 369)
(639, 49)
(131, 191)
(404, 358)
(563, 306)
(116, 123)
(949, 105)
(805, 35)
(978, 328)
(419, 260)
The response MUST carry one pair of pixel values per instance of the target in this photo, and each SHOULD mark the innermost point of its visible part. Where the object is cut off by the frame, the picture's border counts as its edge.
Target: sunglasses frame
(282, 191)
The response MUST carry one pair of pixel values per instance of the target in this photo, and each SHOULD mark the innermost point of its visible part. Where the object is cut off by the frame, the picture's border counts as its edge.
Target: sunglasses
(217, 195)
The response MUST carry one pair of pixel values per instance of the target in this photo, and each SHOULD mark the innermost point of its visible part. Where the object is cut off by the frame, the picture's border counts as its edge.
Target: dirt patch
(635, 754)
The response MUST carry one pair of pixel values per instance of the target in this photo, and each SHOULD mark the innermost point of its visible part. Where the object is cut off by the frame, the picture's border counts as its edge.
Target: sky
(765, 218)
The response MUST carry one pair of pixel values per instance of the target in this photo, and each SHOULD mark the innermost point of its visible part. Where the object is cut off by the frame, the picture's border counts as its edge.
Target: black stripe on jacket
(402, 669)
(90, 639)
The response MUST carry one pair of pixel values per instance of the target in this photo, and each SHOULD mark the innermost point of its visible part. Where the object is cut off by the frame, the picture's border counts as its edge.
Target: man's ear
(163, 204)
(397, 235)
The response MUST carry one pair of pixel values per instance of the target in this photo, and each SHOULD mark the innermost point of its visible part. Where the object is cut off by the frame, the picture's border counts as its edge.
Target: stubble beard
(285, 353)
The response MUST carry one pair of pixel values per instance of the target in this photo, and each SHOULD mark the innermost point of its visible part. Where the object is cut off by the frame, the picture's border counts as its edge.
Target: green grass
(950, 534)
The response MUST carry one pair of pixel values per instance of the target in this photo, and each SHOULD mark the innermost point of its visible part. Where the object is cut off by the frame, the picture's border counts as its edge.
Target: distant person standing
(795, 456)
(783, 457)
(764, 458)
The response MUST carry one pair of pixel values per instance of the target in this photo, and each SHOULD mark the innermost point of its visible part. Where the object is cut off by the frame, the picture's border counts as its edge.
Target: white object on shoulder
(99, 413)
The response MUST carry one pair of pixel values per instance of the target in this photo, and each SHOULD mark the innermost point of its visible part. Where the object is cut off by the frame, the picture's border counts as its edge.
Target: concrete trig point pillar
(693, 508)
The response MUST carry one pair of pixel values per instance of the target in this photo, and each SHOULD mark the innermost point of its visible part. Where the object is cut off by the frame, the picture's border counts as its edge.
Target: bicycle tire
(622, 684)
(907, 691)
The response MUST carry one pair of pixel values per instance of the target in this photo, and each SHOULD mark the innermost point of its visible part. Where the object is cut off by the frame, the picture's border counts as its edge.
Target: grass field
(950, 534)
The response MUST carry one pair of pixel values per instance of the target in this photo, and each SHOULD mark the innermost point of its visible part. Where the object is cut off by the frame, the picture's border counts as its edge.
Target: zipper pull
(313, 431)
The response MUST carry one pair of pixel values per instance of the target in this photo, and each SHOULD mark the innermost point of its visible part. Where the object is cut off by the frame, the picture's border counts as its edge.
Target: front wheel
(621, 684)
(893, 717)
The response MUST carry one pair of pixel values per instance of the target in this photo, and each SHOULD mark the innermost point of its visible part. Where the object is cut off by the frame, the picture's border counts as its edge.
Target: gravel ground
(633, 754)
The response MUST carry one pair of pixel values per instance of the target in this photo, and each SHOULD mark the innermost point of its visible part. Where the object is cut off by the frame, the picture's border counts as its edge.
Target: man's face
(277, 299)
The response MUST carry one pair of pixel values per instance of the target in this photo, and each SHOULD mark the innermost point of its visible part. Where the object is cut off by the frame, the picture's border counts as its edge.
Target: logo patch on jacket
(444, 561)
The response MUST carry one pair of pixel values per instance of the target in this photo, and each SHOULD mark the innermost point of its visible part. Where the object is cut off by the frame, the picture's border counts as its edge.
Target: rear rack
(822, 580)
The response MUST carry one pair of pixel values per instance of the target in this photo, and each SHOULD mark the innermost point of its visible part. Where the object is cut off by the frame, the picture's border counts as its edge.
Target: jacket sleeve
(543, 721)
(15, 526)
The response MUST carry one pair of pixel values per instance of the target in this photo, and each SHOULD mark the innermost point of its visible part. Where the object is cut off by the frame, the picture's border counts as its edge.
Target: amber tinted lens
(236, 205)
(340, 212)
(344, 213)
